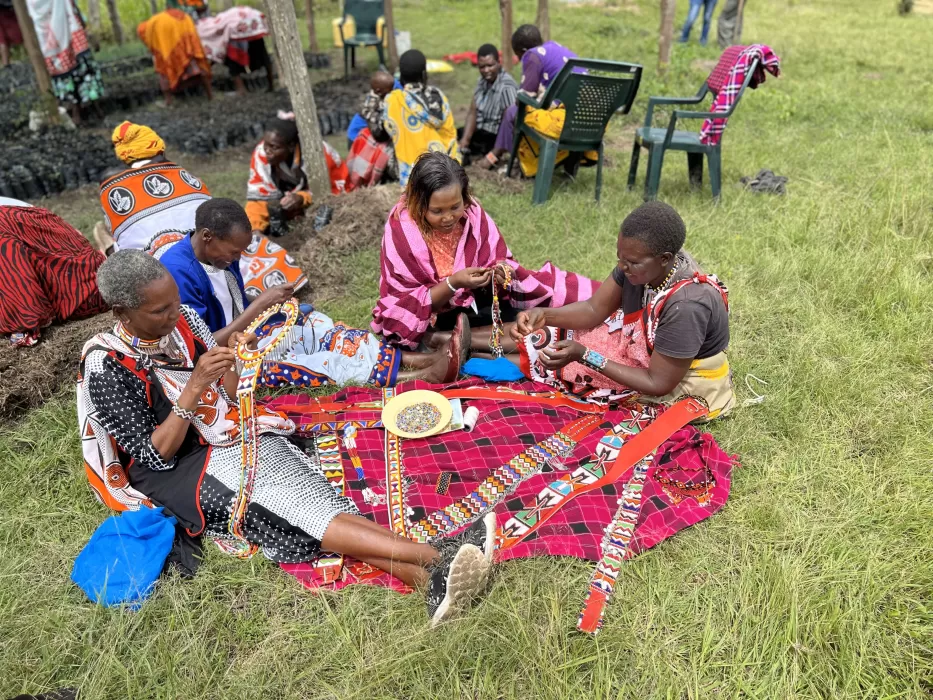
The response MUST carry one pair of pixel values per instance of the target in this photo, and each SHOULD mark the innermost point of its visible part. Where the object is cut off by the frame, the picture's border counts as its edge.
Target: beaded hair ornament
(276, 333)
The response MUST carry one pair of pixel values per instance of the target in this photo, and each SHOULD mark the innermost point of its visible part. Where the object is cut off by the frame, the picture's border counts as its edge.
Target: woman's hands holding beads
(470, 278)
(563, 353)
(249, 339)
(527, 322)
(211, 367)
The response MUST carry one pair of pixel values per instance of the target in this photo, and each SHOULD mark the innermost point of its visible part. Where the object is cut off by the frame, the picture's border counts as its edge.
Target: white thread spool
(470, 417)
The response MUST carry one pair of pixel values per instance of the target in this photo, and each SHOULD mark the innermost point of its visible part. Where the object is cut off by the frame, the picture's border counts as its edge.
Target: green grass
(814, 582)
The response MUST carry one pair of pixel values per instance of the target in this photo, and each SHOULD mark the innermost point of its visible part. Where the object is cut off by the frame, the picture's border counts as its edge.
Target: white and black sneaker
(459, 578)
(482, 533)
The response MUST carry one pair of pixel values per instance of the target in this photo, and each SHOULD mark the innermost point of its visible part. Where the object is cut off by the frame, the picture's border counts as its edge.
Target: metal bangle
(450, 286)
(594, 360)
(184, 413)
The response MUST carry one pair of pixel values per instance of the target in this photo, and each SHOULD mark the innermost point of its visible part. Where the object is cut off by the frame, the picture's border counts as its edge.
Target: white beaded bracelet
(184, 413)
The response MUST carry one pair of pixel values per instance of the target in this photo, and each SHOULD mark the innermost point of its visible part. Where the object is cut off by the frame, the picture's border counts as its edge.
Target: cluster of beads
(418, 418)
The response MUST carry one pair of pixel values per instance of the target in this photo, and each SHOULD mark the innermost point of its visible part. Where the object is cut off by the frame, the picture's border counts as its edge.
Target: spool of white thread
(470, 417)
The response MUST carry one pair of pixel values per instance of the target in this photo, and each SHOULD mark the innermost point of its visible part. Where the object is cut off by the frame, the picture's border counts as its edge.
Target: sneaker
(481, 534)
(456, 582)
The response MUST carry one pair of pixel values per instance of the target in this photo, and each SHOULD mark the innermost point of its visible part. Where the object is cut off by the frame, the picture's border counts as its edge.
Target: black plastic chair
(591, 96)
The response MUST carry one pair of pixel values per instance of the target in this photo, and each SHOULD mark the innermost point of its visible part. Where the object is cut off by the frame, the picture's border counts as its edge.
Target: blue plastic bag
(500, 370)
(124, 557)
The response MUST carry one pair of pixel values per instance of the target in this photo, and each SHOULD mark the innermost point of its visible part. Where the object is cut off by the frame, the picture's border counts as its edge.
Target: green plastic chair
(657, 141)
(591, 98)
(366, 14)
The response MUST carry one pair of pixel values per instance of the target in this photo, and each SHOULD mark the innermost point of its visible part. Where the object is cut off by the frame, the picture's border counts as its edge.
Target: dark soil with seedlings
(45, 164)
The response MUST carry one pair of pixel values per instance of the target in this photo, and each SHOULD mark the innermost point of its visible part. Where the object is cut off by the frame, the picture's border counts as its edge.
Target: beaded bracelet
(183, 413)
(594, 360)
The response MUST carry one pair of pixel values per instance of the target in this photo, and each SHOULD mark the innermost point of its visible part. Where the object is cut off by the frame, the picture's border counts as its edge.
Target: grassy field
(814, 582)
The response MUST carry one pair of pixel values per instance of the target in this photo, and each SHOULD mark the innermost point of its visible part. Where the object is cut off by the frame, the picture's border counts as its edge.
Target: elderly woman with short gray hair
(160, 387)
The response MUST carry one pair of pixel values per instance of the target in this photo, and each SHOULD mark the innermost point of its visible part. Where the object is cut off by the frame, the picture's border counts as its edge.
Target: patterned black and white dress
(292, 503)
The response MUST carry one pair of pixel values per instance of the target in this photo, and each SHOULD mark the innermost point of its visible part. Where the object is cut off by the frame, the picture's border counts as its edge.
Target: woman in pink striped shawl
(438, 254)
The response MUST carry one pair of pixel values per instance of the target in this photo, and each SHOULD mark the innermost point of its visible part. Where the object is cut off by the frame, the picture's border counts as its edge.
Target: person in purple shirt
(541, 62)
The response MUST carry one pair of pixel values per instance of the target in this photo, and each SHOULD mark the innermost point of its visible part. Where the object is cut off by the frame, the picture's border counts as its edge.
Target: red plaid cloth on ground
(367, 160)
(711, 131)
(438, 471)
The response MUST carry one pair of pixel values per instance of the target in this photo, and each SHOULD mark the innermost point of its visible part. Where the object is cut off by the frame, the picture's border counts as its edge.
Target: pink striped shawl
(403, 312)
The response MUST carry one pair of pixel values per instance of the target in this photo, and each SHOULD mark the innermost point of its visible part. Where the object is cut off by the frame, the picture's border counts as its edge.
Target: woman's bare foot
(442, 366)
(435, 340)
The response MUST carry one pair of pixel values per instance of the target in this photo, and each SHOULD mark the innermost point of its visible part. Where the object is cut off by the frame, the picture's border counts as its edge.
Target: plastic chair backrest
(720, 73)
(591, 96)
(365, 13)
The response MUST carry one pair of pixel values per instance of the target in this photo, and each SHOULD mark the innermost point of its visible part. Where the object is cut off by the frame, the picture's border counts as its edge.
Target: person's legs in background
(707, 20)
(692, 15)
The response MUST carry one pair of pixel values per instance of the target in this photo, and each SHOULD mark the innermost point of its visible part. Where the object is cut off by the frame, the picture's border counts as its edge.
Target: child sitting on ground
(372, 158)
(380, 85)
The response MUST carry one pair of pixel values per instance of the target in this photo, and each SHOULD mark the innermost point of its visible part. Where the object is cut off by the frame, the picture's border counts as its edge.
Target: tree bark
(153, 7)
(312, 34)
(666, 39)
(115, 21)
(93, 16)
(284, 25)
(737, 39)
(389, 15)
(543, 20)
(33, 50)
(505, 8)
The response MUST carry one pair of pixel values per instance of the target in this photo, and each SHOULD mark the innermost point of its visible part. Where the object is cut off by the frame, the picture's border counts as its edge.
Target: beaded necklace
(163, 346)
(654, 291)
(498, 331)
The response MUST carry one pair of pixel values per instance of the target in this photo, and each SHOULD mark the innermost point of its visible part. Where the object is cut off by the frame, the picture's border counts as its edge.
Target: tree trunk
(543, 20)
(31, 45)
(153, 7)
(284, 25)
(389, 15)
(666, 39)
(93, 17)
(737, 39)
(505, 8)
(115, 21)
(312, 34)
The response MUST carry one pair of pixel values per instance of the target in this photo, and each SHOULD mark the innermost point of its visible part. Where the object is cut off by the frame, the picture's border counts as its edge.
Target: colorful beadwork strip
(349, 441)
(503, 481)
(335, 426)
(328, 452)
(395, 486)
(329, 565)
(615, 549)
(443, 483)
(560, 492)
